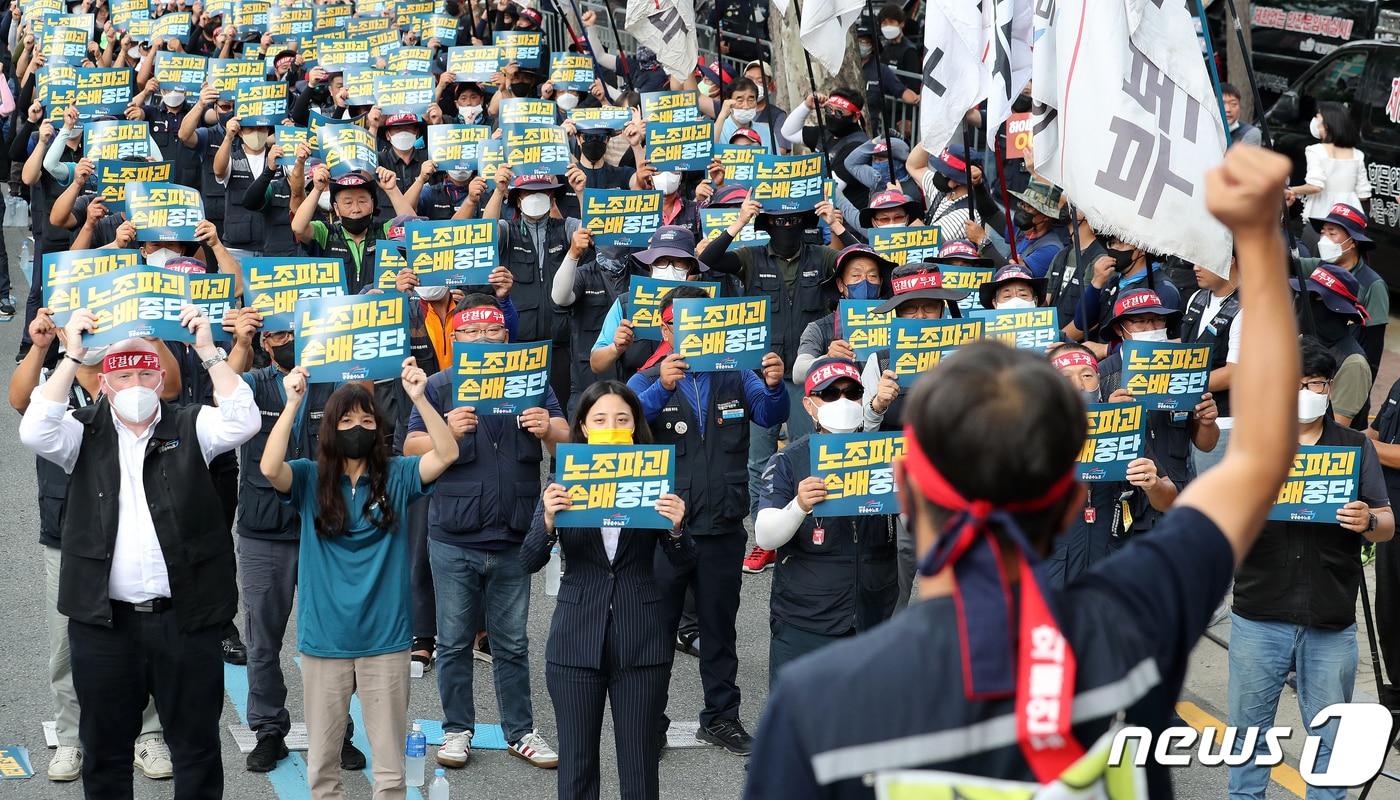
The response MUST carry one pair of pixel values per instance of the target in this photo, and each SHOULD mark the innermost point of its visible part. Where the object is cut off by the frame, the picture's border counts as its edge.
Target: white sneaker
(455, 750)
(153, 759)
(533, 748)
(66, 764)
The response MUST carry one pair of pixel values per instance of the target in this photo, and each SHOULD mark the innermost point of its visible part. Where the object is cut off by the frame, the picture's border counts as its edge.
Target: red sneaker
(759, 559)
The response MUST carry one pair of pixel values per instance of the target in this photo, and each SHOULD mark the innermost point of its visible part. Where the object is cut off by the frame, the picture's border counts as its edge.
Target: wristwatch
(1371, 526)
(219, 355)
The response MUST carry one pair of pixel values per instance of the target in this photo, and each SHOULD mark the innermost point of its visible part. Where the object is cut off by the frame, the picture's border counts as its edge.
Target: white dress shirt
(610, 538)
(138, 565)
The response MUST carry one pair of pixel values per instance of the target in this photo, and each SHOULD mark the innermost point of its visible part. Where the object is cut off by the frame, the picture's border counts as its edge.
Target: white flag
(1007, 56)
(824, 26)
(1127, 124)
(668, 28)
(953, 77)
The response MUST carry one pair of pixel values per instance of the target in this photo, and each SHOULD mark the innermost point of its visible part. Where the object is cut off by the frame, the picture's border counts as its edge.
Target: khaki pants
(382, 684)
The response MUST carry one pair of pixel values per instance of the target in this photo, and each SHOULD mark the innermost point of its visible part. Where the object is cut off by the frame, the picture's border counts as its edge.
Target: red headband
(668, 314)
(1348, 213)
(958, 249)
(485, 314)
(130, 359)
(953, 161)
(830, 372)
(1136, 300)
(842, 104)
(922, 280)
(1074, 358)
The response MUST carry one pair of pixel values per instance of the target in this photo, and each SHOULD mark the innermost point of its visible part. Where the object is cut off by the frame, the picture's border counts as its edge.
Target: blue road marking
(289, 777)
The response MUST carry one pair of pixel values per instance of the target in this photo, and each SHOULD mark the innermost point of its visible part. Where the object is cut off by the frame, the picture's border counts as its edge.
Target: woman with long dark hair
(1336, 170)
(609, 640)
(353, 626)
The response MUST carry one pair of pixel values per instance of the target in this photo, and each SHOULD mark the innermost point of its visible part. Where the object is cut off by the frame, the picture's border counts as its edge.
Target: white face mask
(1158, 335)
(1315, 128)
(534, 205)
(567, 101)
(469, 112)
(431, 293)
(1311, 405)
(253, 141)
(134, 53)
(1016, 302)
(173, 99)
(666, 182)
(1329, 250)
(890, 32)
(744, 116)
(403, 140)
(459, 175)
(135, 404)
(670, 273)
(706, 87)
(840, 416)
(324, 202)
(160, 257)
(865, 50)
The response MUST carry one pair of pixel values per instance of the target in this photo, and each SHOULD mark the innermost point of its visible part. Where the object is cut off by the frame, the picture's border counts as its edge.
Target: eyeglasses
(1316, 386)
(474, 334)
(831, 393)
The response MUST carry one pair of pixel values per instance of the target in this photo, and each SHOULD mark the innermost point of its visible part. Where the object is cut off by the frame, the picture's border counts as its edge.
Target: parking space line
(289, 777)
(1284, 775)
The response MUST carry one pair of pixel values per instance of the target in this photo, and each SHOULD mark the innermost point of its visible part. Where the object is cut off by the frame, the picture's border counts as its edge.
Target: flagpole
(627, 75)
(880, 107)
(570, 28)
(1005, 198)
(719, 55)
(1210, 68)
(967, 170)
(823, 142)
(763, 75)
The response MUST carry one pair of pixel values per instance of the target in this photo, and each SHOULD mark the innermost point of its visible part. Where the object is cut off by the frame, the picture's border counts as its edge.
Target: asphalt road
(702, 772)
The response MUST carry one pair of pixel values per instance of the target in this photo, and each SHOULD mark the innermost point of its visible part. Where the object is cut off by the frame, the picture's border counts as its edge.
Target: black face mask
(1021, 104)
(593, 147)
(356, 225)
(356, 442)
(841, 124)
(1023, 220)
(1122, 259)
(1331, 326)
(522, 89)
(786, 241)
(285, 355)
(941, 182)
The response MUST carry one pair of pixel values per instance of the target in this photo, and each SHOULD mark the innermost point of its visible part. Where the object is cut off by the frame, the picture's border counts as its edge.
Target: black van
(1365, 76)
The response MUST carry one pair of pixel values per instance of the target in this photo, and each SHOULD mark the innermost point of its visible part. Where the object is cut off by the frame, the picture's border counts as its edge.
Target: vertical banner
(615, 486)
(784, 184)
(1117, 432)
(135, 302)
(346, 149)
(452, 252)
(180, 72)
(621, 217)
(536, 149)
(671, 106)
(680, 146)
(456, 146)
(260, 104)
(114, 139)
(917, 345)
(865, 331)
(356, 338)
(1166, 376)
(273, 286)
(722, 335)
(1022, 328)
(1320, 482)
(714, 221)
(114, 176)
(500, 378)
(102, 91)
(644, 296)
(908, 245)
(858, 470)
(164, 212)
(63, 271)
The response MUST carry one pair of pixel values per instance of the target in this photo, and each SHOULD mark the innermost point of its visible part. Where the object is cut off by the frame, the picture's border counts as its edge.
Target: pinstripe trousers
(638, 698)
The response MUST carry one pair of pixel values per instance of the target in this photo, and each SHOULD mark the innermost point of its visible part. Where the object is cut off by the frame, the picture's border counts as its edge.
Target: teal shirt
(353, 589)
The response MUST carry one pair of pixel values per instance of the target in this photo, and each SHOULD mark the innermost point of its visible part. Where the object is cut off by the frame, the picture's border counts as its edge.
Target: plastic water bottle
(438, 791)
(415, 752)
(552, 571)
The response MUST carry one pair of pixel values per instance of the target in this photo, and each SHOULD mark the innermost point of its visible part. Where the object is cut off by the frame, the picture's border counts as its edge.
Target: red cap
(480, 314)
(401, 119)
(748, 133)
(130, 359)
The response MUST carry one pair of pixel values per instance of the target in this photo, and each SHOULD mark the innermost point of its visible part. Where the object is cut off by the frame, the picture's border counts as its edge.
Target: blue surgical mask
(865, 290)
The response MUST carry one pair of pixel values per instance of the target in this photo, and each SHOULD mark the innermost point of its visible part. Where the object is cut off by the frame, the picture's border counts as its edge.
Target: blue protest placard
(54, 87)
(452, 252)
(180, 72)
(66, 44)
(289, 22)
(917, 345)
(525, 48)
(738, 161)
(273, 286)
(1321, 481)
(114, 176)
(135, 302)
(14, 763)
(621, 217)
(213, 294)
(456, 146)
(611, 118)
(500, 378)
(907, 245)
(359, 85)
(679, 146)
(164, 212)
(354, 338)
(1166, 376)
(289, 136)
(526, 111)
(1117, 432)
(968, 279)
(858, 470)
(1022, 328)
(259, 104)
(644, 296)
(412, 61)
(404, 94)
(389, 260)
(225, 73)
(616, 485)
(860, 327)
(571, 71)
(714, 221)
(474, 64)
(171, 26)
(722, 335)
(785, 184)
(536, 149)
(114, 139)
(337, 54)
(671, 107)
(346, 149)
(490, 155)
(62, 272)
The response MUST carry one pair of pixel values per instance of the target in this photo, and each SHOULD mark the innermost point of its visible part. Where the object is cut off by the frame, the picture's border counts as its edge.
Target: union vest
(261, 513)
(53, 483)
(338, 247)
(1168, 443)
(1216, 333)
(540, 320)
(1069, 271)
(243, 229)
(213, 192)
(790, 311)
(165, 132)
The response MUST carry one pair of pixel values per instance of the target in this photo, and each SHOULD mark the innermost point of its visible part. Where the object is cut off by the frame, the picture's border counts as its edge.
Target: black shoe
(235, 652)
(7, 310)
(350, 756)
(269, 750)
(729, 734)
(688, 643)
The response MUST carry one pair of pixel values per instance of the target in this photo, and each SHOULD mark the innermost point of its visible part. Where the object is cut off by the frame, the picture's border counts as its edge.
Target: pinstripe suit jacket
(595, 590)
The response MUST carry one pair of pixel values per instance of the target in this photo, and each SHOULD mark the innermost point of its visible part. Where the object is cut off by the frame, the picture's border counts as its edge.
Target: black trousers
(715, 582)
(423, 609)
(638, 698)
(116, 670)
(1387, 602)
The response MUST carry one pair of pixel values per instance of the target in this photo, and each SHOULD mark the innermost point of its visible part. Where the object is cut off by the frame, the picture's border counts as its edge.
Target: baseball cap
(828, 370)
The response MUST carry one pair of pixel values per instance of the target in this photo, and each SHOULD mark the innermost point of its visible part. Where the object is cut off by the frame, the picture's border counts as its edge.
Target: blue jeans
(763, 442)
(1204, 460)
(466, 583)
(1261, 653)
